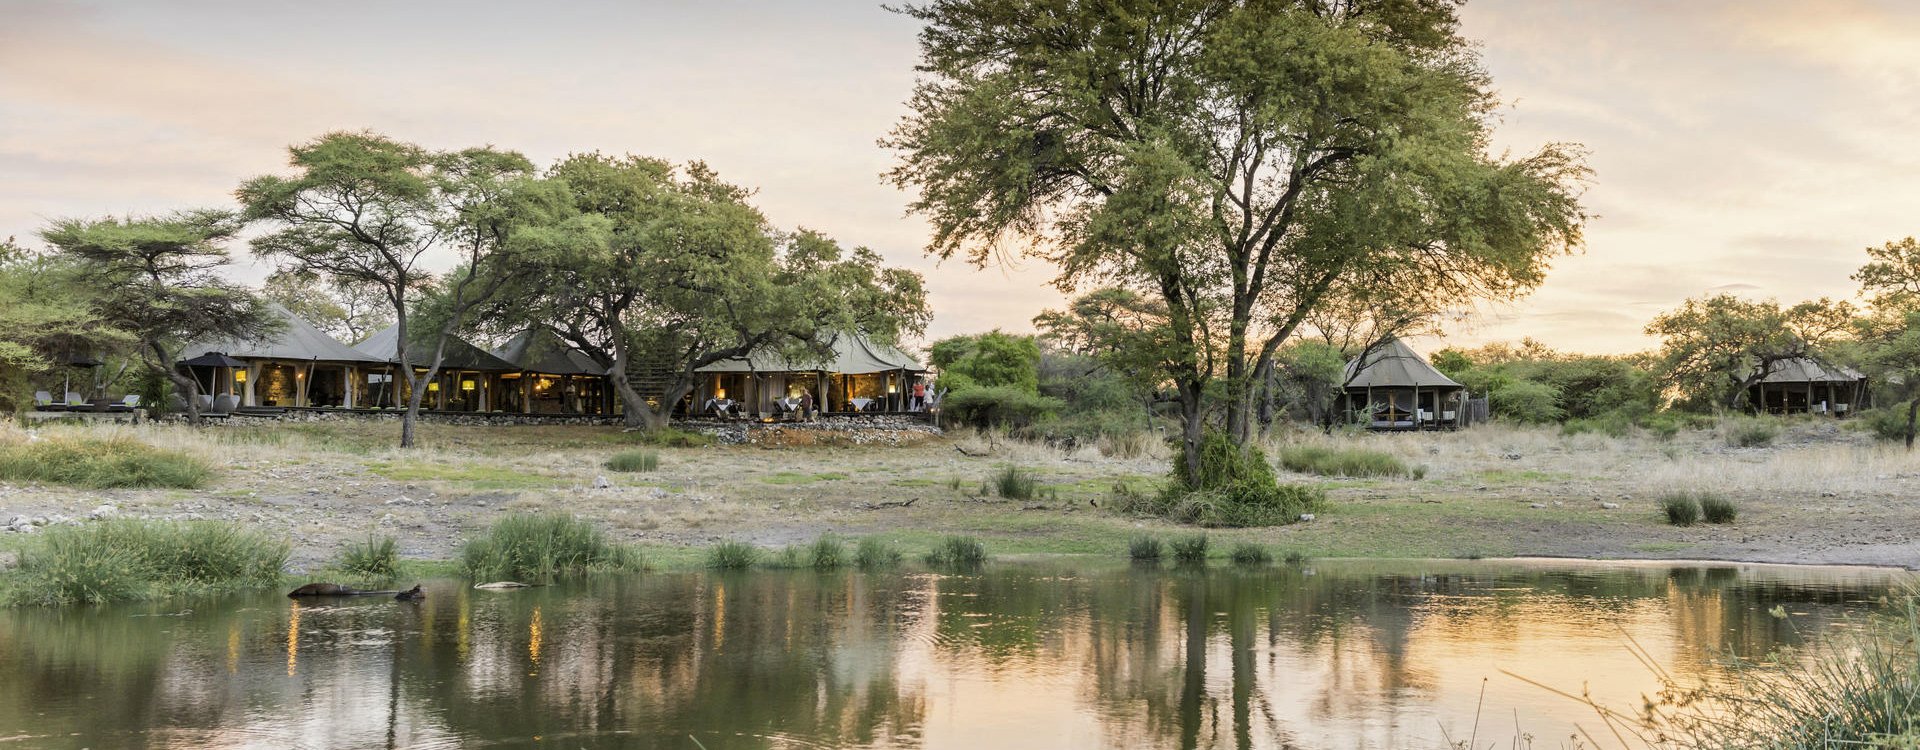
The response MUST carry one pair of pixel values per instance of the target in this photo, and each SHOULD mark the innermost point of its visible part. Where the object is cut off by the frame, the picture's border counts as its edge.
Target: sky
(1746, 146)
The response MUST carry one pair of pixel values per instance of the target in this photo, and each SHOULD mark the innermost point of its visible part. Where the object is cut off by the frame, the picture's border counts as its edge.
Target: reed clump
(1248, 553)
(874, 553)
(376, 559)
(634, 461)
(733, 556)
(129, 559)
(1144, 548)
(541, 547)
(1346, 462)
(958, 552)
(1190, 550)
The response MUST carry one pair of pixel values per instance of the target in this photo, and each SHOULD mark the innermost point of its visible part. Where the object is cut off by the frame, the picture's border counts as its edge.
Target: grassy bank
(114, 461)
(128, 560)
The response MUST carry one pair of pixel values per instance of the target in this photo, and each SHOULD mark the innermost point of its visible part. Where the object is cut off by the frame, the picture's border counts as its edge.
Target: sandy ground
(1820, 494)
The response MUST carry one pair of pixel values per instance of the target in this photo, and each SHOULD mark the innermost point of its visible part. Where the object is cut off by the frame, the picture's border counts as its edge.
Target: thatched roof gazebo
(1804, 385)
(1392, 387)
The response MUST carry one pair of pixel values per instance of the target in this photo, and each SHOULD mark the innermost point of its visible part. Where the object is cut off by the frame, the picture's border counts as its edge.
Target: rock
(1536, 505)
(1306, 516)
(104, 511)
(1481, 488)
(401, 500)
(386, 520)
(1512, 456)
(1829, 493)
(25, 529)
(601, 483)
(1609, 506)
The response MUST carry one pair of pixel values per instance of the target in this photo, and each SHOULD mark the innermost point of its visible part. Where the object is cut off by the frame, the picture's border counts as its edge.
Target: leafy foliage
(1714, 349)
(128, 559)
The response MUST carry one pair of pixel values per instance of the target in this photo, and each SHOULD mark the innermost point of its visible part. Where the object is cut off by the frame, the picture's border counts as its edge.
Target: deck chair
(43, 401)
(75, 401)
(131, 402)
(225, 403)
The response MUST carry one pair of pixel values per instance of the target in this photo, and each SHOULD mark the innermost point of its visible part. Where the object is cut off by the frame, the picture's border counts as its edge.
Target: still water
(1052, 654)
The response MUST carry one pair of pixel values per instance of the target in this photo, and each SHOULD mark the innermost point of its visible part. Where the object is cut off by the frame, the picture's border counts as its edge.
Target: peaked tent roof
(459, 354)
(1396, 365)
(298, 340)
(539, 350)
(1808, 370)
(853, 354)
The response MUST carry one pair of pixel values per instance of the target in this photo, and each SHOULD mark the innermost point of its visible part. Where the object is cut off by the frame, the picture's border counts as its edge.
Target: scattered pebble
(1609, 506)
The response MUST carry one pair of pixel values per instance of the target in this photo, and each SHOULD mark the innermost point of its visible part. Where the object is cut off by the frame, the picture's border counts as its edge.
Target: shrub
(1749, 432)
(1885, 424)
(97, 463)
(1015, 483)
(671, 437)
(126, 559)
(1526, 401)
(1716, 509)
(373, 560)
(1235, 487)
(1248, 553)
(827, 553)
(1144, 548)
(1190, 550)
(1663, 427)
(958, 552)
(1342, 462)
(873, 554)
(732, 556)
(634, 461)
(1296, 557)
(541, 547)
(1680, 509)
(998, 406)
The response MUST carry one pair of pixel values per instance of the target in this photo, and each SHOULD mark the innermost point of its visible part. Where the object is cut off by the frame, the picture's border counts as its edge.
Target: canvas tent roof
(298, 340)
(1395, 365)
(537, 350)
(459, 355)
(1807, 370)
(852, 354)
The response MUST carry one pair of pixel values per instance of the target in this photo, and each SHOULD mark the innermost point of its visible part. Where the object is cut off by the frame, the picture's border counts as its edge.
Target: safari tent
(857, 375)
(1804, 385)
(1392, 387)
(552, 377)
(301, 366)
(469, 378)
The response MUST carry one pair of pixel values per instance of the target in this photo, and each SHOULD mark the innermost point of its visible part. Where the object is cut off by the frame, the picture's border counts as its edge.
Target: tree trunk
(1913, 410)
(634, 412)
(188, 388)
(1192, 427)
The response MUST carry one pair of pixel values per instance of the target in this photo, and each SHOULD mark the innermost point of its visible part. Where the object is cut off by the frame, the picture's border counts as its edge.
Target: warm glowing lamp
(239, 376)
(721, 393)
(435, 387)
(466, 385)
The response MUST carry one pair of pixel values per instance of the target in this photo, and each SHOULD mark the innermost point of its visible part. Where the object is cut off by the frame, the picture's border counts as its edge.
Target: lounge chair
(225, 403)
(43, 401)
(206, 402)
(131, 402)
(76, 402)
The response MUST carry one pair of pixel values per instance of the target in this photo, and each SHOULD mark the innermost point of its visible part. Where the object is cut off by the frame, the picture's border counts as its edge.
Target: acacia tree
(370, 212)
(1890, 281)
(1715, 349)
(157, 280)
(345, 311)
(675, 270)
(1238, 160)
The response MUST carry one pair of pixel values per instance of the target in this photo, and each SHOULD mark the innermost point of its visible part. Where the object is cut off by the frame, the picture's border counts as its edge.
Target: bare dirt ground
(1819, 494)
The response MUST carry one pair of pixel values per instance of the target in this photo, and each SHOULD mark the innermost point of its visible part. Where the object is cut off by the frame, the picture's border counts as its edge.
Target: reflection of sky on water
(1058, 654)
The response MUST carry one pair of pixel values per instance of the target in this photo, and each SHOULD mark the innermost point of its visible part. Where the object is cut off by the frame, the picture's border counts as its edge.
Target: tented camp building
(1392, 387)
(469, 380)
(552, 377)
(1804, 385)
(300, 366)
(858, 375)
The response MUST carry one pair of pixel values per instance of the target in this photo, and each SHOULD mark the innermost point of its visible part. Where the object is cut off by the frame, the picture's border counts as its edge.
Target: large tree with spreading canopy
(1240, 160)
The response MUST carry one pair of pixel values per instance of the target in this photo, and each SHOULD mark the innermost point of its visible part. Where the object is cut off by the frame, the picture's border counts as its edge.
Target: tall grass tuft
(732, 556)
(128, 559)
(100, 463)
(1681, 509)
(1345, 462)
(1190, 550)
(1144, 548)
(541, 547)
(1749, 432)
(372, 560)
(874, 554)
(1248, 553)
(958, 552)
(827, 553)
(1717, 509)
(631, 461)
(1296, 557)
(1015, 483)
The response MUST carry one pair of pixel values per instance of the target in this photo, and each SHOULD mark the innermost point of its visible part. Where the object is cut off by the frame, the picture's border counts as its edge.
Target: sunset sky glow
(1743, 146)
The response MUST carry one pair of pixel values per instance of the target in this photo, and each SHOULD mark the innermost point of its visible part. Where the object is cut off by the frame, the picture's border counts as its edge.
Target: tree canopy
(1236, 160)
(1714, 349)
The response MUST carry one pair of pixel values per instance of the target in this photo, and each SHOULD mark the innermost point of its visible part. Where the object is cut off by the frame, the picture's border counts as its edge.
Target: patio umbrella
(213, 359)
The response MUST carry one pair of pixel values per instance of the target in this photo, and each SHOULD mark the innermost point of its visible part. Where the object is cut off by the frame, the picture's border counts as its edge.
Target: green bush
(958, 552)
(1526, 401)
(1344, 462)
(1248, 553)
(1749, 432)
(1235, 488)
(998, 406)
(670, 437)
(1681, 509)
(541, 547)
(732, 556)
(634, 461)
(372, 560)
(1717, 509)
(873, 554)
(1664, 426)
(1190, 550)
(827, 553)
(1144, 548)
(1015, 483)
(1885, 424)
(100, 463)
(126, 559)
